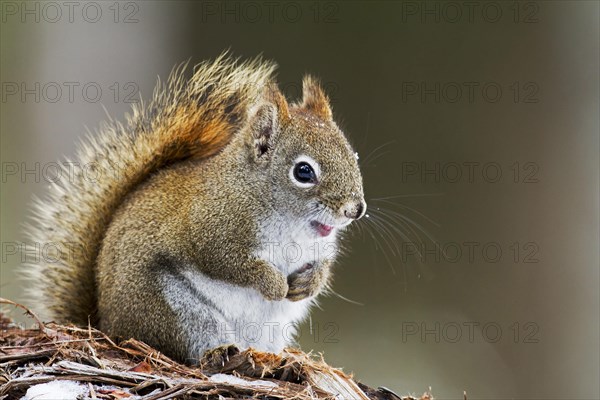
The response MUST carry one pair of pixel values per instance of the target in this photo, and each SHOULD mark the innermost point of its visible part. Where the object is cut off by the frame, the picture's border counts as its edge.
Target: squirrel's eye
(304, 173)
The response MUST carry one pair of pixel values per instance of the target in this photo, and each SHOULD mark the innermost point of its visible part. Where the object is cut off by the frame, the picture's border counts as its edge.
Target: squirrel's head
(311, 168)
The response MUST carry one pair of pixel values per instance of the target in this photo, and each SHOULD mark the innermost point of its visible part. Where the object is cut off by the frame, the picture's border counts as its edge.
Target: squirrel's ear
(267, 120)
(314, 99)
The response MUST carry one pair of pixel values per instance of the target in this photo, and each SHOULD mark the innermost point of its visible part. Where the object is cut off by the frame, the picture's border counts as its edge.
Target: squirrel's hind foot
(215, 359)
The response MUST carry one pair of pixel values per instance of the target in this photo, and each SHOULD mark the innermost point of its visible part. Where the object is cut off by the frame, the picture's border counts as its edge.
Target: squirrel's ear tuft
(267, 120)
(314, 99)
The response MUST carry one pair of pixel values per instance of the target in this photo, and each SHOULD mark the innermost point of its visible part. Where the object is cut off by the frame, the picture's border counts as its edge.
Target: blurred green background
(475, 122)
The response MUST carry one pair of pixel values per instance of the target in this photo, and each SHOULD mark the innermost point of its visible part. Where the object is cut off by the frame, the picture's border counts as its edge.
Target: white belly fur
(244, 316)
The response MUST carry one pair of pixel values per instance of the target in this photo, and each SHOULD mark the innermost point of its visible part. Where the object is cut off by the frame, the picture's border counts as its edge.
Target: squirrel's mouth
(321, 229)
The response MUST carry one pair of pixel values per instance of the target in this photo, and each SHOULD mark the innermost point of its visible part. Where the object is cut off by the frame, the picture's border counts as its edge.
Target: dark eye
(304, 173)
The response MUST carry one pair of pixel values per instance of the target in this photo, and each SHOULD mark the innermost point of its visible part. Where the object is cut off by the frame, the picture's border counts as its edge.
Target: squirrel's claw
(303, 283)
(217, 358)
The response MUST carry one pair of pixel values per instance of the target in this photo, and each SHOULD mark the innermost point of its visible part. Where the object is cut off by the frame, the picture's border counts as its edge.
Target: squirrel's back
(186, 119)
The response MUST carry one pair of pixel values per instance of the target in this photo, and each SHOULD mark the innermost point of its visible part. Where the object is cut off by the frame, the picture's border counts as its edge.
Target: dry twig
(115, 371)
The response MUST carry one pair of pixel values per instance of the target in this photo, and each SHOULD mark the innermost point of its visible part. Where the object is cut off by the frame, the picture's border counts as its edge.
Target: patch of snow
(56, 390)
(234, 380)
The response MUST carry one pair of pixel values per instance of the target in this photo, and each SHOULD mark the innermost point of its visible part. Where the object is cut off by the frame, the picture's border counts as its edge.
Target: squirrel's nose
(355, 210)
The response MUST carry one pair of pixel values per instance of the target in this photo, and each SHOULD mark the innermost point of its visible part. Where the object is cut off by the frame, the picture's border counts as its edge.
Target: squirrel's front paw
(274, 289)
(306, 281)
(270, 282)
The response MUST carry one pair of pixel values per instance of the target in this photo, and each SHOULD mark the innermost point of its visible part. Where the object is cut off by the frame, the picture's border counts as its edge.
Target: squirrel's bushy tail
(186, 118)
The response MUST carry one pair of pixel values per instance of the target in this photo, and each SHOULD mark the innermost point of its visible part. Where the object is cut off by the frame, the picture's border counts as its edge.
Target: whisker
(411, 209)
(330, 290)
(398, 196)
(420, 228)
(367, 228)
(399, 219)
(397, 229)
(385, 227)
(377, 220)
(403, 228)
(366, 160)
(385, 240)
(376, 157)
